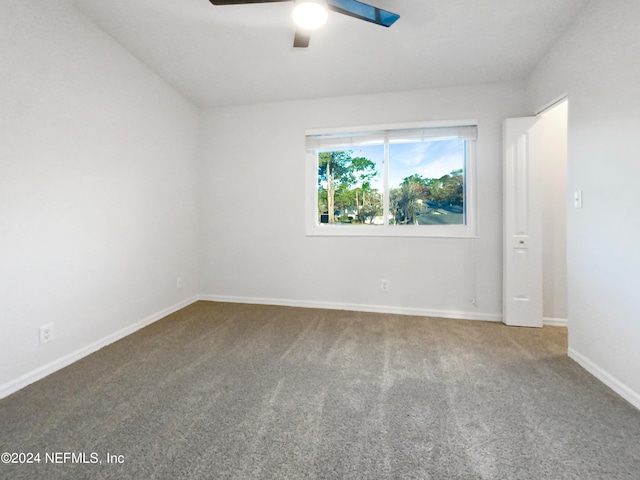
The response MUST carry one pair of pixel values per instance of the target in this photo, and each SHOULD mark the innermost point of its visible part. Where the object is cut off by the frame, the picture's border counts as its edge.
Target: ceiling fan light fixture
(310, 14)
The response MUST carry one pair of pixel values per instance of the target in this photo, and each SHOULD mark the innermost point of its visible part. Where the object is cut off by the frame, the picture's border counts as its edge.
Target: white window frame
(315, 228)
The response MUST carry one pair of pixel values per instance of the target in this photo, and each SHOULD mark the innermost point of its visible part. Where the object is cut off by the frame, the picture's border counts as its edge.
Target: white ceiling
(229, 55)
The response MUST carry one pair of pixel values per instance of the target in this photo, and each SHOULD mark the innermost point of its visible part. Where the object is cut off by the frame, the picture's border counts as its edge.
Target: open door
(522, 242)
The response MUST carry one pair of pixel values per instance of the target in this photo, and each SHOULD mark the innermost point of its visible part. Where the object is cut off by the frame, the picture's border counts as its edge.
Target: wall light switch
(577, 199)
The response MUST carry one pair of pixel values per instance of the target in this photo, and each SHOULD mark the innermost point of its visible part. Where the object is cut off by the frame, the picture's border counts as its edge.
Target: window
(402, 180)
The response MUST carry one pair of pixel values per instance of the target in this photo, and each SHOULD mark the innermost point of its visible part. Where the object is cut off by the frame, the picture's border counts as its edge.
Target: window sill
(422, 231)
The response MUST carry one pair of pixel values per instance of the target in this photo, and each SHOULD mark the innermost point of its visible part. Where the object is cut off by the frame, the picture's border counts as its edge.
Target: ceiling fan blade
(363, 11)
(240, 2)
(301, 40)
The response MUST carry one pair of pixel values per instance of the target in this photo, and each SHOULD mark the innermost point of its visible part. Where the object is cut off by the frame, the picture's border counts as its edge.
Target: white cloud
(441, 166)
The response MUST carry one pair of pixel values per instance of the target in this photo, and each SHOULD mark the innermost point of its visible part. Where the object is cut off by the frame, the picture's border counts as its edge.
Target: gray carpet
(246, 391)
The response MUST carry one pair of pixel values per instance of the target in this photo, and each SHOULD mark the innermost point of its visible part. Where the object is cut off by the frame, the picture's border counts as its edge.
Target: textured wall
(597, 63)
(98, 190)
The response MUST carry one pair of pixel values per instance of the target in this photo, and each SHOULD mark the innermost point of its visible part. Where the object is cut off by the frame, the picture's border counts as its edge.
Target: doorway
(535, 203)
(553, 124)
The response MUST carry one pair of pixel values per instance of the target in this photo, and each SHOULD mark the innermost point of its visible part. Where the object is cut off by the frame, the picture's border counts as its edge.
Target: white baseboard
(41, 372)
(358, 307)
(555, 322)
(610, 381)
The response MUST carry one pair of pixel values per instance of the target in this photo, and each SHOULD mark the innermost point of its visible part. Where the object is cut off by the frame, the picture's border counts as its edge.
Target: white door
(522, 242)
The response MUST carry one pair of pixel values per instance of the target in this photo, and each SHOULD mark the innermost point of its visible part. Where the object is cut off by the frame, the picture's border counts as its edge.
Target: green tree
(344, 198)
(368, 203)
(421, 185)
(449, 189)
(322, 199)
(405, 202)
(453, 186)
(340, 171)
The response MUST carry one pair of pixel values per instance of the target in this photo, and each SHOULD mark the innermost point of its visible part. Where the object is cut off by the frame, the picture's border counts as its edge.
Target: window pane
(426, 182)
(350, 185)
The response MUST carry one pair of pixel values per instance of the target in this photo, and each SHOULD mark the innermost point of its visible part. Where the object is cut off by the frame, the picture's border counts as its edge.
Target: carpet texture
(229, 391)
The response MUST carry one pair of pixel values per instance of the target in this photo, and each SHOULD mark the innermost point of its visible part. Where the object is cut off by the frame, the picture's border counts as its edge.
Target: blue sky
(428, 159)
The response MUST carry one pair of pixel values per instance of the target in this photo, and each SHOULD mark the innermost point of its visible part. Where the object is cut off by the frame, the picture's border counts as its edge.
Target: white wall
(253, 226)
(98, 189)
(554, 213)
(597, 63)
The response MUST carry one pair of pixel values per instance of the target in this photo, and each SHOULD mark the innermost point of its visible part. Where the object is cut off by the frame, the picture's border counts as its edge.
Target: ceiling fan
(314, 12)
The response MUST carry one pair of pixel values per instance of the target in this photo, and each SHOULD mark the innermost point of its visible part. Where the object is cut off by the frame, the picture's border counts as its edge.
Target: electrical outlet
(384, 285)
(179, 282)
(46, 333)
